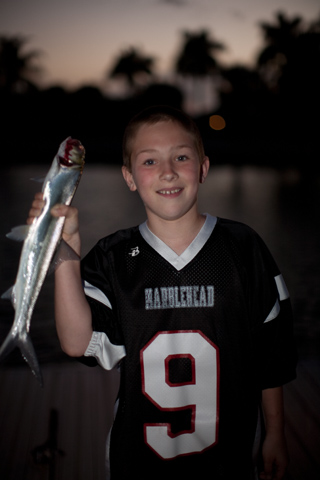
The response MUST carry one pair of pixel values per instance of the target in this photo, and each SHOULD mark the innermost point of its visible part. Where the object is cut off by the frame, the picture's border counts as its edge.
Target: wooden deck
(58, 432)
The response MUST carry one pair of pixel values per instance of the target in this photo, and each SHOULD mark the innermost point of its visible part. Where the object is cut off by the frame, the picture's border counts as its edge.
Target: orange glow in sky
(80, 39)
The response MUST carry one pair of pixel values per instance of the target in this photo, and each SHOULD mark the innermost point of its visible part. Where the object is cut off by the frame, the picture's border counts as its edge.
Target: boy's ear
(127, 175)
(204, 169)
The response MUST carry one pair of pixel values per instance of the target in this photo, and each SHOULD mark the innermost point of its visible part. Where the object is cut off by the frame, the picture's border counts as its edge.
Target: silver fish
(39, 246)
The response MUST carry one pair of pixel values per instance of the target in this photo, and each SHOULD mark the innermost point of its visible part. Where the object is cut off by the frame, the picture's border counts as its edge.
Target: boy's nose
(168, 172)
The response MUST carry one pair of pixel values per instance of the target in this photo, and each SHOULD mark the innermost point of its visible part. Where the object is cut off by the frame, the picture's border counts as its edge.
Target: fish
(41, 241)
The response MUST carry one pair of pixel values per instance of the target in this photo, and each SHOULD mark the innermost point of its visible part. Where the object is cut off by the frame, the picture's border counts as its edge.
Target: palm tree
(290, 63)
(197, 64)
(281, 40)
(196, 57)
(17, 69)
(290, 67)
(131, 65)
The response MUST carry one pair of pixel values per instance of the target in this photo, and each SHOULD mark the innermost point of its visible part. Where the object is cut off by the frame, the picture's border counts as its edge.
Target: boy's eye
(181, 158)
(148, 162)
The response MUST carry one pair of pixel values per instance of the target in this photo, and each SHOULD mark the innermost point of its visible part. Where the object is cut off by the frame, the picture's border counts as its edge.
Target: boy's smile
(170, 192)
(166, 171)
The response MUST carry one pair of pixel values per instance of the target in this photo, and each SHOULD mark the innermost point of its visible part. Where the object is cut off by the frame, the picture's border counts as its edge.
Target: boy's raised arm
(72, 311)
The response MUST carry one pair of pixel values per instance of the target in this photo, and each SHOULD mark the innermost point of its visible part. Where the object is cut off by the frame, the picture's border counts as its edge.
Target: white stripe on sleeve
(95, 293)
(274, 312)
(106, 353)
(282, 287)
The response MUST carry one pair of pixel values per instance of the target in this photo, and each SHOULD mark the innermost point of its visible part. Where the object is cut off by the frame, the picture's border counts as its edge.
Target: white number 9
(200, 394)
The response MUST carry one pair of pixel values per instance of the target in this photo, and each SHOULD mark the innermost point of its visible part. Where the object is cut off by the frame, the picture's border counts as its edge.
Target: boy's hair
(153, 115)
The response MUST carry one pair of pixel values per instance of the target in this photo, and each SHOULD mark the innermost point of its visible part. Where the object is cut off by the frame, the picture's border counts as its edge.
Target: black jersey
(199, 336)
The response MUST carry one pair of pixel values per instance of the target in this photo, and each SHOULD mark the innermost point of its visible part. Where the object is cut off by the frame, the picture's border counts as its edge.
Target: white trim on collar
(180, 261)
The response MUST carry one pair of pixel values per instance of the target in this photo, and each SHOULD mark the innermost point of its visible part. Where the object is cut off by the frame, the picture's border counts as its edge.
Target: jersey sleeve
(271, 305)
(268, 304)
(106, 345)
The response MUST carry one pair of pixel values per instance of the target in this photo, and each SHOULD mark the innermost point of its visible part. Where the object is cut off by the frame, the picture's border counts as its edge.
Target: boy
(194, 310)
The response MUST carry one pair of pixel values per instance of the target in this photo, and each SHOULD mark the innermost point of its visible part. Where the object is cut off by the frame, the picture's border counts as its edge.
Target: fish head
(69, 161)
(71, 154)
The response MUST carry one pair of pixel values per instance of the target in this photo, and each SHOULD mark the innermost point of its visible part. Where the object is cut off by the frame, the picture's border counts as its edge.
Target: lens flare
(217, 122)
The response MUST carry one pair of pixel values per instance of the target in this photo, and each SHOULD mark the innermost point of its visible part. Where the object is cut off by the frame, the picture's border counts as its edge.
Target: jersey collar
(179, 261)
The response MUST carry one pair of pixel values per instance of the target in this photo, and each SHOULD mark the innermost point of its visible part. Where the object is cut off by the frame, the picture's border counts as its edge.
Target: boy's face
(166, 170)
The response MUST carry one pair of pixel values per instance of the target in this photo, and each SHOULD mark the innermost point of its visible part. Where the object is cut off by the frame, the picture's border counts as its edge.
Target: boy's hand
(275, 457)
(70, 232)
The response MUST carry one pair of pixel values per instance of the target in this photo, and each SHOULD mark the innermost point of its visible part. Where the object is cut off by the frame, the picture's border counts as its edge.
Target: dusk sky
(80, 39)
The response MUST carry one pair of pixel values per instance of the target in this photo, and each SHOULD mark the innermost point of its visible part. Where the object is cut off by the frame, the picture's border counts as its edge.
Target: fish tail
(23, 341)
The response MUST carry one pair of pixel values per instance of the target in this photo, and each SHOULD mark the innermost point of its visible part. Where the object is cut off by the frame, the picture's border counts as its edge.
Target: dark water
(282, 207)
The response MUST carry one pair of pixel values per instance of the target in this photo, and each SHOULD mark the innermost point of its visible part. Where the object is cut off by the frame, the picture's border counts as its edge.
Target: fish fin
(24, 343)
(10, 295)
(63, 253)
(19, 233)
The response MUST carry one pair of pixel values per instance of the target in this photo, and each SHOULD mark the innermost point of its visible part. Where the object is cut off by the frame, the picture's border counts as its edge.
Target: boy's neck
(177, 234)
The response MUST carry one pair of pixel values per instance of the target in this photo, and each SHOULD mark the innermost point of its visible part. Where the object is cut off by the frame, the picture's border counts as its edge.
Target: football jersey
(198, 336)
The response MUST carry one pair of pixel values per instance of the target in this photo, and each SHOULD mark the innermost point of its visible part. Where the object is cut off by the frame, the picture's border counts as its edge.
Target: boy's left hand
(275, 457)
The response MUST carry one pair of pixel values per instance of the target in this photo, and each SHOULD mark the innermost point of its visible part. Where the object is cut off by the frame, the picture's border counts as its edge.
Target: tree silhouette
(17, 69)
(281, 40)
(196, 57)
(290, 63)
(131, 65)
(197, 64)
(290, 67)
